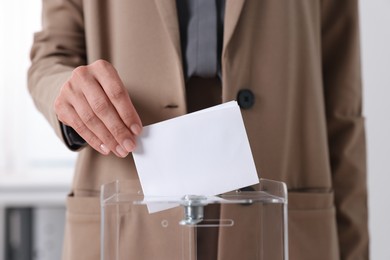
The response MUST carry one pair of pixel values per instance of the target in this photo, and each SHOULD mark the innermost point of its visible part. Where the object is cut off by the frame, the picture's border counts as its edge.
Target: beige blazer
(300, 59)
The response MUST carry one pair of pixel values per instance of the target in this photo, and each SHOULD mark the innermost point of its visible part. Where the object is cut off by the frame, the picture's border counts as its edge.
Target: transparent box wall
(248, 224)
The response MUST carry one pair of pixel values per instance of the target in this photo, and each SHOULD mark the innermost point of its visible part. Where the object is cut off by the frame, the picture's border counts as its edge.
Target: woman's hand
(95, 103)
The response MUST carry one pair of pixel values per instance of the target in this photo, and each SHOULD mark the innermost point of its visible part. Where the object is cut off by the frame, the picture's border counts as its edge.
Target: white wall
(375, 29)
(27, 143)
(23, 151)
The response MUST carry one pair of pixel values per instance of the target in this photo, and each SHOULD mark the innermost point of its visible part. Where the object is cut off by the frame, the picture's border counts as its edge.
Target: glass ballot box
(247, 224)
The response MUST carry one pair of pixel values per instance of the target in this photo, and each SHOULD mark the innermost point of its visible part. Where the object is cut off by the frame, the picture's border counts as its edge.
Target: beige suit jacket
(300, 58)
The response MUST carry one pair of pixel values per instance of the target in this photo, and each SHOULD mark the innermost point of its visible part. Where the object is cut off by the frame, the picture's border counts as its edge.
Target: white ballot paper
(203, 153)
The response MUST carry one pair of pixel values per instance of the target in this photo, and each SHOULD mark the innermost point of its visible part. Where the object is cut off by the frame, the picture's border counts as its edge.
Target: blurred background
(36, 169)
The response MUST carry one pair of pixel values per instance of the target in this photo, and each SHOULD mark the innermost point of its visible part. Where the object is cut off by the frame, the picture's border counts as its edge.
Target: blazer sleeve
(56, 51)
(345, 124)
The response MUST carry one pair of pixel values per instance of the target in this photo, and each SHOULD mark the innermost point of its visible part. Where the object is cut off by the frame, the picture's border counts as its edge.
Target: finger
(113, 86)
(101, 116)
(96, 126)
(69, 117)
(97, 112)
(74, 94)
(75, 97)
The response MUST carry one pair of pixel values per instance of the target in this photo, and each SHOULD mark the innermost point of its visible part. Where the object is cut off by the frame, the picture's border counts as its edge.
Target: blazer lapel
(233, 10)
(168, 14)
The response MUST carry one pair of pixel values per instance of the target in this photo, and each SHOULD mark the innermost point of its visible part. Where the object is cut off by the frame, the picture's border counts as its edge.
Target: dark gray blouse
(201, 36)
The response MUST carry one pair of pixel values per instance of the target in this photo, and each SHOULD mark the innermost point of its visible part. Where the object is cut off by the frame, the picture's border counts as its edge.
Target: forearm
(56, 51)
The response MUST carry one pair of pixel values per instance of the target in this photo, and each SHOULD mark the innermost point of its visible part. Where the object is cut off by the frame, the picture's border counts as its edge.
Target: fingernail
(129, 145)
(104, 149)
(136, 129)
(120, 151)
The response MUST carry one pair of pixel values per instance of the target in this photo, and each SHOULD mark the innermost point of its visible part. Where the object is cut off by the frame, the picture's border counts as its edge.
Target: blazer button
(245, 98)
